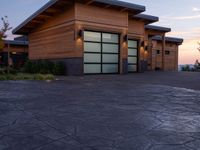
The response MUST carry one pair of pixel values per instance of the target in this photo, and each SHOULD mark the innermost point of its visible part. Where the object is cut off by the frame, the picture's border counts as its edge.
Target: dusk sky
(183, 16)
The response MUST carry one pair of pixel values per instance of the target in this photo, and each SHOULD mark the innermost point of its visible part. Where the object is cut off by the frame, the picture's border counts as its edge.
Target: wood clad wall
(136, 28)
(60, 18)
(55, 38)
(171, 60)
(99, 15)
(53, 43)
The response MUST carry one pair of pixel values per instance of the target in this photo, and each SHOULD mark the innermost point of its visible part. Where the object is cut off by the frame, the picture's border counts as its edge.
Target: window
(158, 52)
(92, 36)
(167, 52)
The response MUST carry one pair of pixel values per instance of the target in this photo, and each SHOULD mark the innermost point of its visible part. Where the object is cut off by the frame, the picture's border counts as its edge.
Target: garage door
(101, 53)
(132, 55)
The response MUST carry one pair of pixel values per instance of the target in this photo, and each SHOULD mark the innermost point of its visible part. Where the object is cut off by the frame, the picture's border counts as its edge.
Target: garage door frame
(137, 56)
(102, 53)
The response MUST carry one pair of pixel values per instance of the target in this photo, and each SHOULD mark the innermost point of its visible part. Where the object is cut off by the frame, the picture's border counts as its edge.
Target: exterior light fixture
(125, 38)
(142, 44)
(146, 48)
(80, 34)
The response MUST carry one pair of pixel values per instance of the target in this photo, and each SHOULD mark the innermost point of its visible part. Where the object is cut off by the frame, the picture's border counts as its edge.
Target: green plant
(59, 68)
(22, 76)
(44, 67)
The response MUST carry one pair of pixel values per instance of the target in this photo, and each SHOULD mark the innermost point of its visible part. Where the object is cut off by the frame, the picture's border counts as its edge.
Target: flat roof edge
(169, 39)
(14, 42)
(147, 17)
(123, 4)
(158, 28)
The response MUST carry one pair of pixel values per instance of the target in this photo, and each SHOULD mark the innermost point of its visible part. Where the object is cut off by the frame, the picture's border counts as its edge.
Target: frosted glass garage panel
(92, 68)
(110, 68)
(92, 36)
(110, 38)
(132, 52)
(92, 47)
(92, 58)
(110, 48)
(132, 60)
(132, 68)
(132, 43)
(110, 58)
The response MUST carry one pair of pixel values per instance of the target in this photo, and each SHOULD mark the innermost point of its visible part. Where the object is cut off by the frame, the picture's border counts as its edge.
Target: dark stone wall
(73, 66)
(124, 66)
(143, 66)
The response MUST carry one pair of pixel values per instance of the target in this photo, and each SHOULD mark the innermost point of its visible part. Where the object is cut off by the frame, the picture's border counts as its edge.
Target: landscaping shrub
(22, 76)
(59, 68)
(44, 67)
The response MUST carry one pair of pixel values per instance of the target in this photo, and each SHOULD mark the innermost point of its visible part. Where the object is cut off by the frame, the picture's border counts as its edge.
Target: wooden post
(8, 67)
(163, 52)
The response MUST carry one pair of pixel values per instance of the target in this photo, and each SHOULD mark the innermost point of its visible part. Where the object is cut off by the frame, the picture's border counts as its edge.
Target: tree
(3, 30)
(5, 27)
(198, 46)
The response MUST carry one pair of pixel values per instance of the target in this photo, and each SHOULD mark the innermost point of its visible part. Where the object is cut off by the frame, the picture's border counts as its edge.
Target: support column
(163, 52)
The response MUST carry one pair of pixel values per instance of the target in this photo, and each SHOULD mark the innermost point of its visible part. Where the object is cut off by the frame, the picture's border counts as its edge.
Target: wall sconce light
(142, 44)
(146, 48)
(125, 38)
(80, 34)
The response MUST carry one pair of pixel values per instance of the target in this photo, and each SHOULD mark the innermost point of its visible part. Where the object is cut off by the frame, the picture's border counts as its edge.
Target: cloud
(183, 17)
(195, 9)
(192, 33)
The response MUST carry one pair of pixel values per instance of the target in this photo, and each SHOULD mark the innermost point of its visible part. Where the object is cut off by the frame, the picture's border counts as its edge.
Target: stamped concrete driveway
(150, 111)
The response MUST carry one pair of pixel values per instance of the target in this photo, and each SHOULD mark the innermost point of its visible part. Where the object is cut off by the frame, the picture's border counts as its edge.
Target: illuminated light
(14, 53)
(80, 34)
(125, 38)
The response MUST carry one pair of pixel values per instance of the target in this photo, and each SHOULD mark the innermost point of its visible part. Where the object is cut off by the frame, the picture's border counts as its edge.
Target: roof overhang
(157, 28)
(179, 41)
(16, 43)
(56, 6)
(123, 6)
(147, 19)
(40, 16)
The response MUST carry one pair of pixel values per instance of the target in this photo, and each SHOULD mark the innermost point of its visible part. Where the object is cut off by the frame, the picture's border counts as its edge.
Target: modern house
(98, 37)
(17, 50)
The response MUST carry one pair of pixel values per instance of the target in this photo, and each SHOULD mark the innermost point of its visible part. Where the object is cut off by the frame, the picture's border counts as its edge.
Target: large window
(101, 52)
(132, 55)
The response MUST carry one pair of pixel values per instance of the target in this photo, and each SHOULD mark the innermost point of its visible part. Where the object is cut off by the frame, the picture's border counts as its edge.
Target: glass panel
(92, 68)
(132, 60)
(92, 36)
(111, 48)
(132, 52)
(110, 68)
(132, 68)
(92, 47)
(110, 58)
(88, 58)
(132, 43)
(110, 38)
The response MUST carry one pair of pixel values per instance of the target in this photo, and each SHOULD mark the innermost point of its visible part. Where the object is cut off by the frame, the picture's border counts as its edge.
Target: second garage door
(132, 56)
(101, 53)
